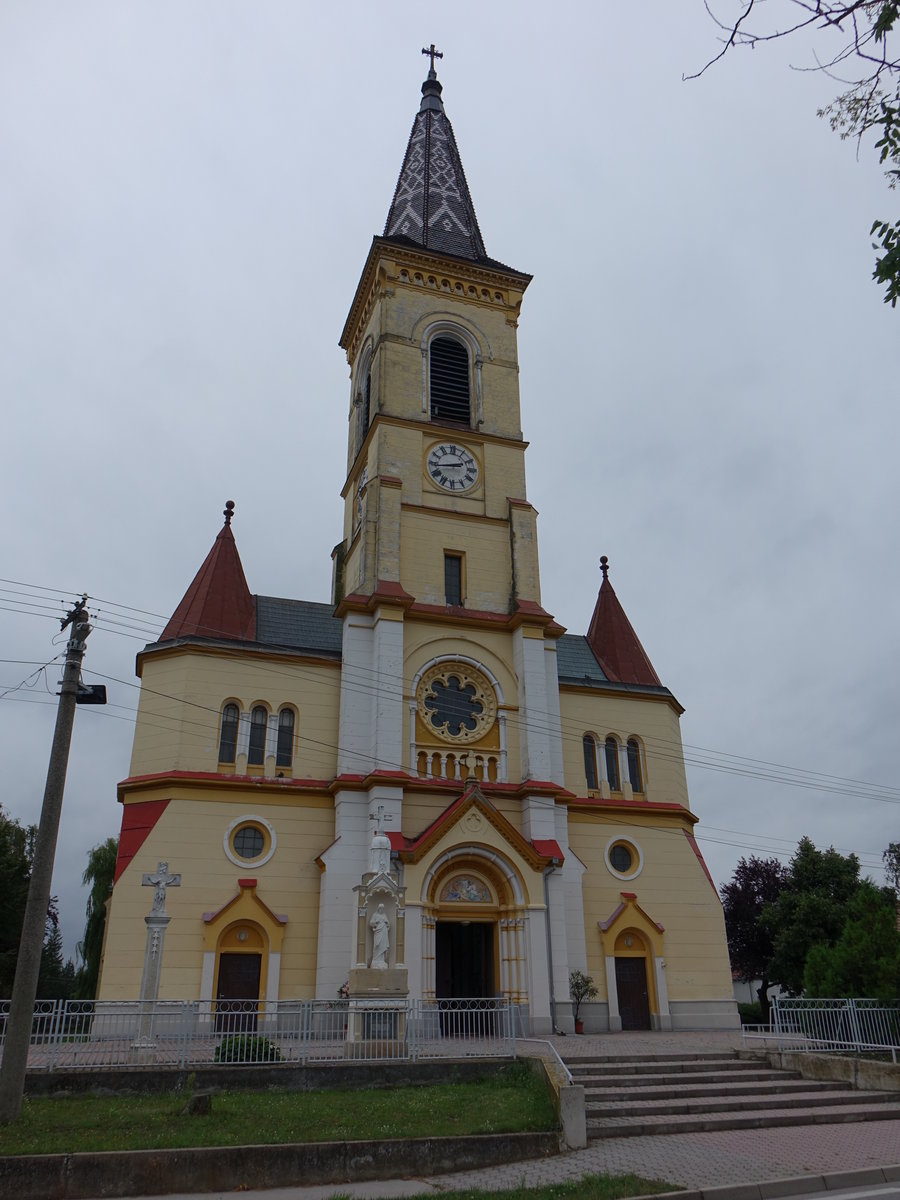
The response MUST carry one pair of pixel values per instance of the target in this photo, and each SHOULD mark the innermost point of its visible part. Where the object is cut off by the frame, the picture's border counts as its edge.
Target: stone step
(610, 1095)
(722, 1104)
(610, 1127)
(662, 1057)
(760, 1077)
(650, 1066)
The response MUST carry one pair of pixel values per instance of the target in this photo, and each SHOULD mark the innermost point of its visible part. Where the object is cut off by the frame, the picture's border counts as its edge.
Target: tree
(15, 872)
(756, 882)
(16, 852)
(810, 911)
(865, 960)
(98, 876)
(871, 104)
(891, 860)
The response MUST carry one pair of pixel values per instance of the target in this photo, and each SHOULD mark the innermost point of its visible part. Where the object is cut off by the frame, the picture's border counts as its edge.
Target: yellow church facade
(530, 781)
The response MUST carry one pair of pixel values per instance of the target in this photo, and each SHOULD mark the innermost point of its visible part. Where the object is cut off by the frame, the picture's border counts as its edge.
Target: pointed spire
(218, 604)
(431, 204)
(614, 642)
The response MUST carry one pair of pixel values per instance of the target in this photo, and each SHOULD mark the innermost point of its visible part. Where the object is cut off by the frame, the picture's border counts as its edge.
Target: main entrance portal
(464, 954)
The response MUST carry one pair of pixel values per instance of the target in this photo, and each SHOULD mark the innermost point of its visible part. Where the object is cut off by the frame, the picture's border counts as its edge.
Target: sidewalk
(693, 1160)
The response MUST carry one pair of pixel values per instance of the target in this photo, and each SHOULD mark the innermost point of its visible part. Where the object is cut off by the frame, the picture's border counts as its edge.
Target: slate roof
(432, 206)
(575, 661)
(298, 624)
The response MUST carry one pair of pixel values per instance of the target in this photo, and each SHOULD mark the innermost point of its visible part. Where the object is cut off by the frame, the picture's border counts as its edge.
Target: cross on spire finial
(432, 54)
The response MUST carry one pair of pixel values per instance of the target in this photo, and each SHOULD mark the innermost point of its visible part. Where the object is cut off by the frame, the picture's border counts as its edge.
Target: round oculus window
(624, 858)
(249, 839)
(620, 858)
(248, 842)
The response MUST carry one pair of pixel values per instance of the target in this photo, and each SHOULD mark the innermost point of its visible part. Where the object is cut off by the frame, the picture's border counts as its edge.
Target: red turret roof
(218, 604)
(614, 642)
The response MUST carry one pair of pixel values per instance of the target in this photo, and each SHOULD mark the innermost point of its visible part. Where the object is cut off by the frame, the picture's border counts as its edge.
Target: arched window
(365, 405)
(590, 761)
(634, 765)
(611, 749)
(284, 753)
(448, 375)
(228, 733)
(259, 719)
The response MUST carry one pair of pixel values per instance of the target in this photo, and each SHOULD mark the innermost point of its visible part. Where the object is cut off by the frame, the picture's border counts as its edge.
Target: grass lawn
(591, 1187)
(514, 1100)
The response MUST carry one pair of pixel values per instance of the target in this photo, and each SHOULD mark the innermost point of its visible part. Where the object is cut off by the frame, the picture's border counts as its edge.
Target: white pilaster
(345, 862)
(662, 992)
(537, 730)
(386, 691)
(359, 687)
(612, 992)
(538, 977)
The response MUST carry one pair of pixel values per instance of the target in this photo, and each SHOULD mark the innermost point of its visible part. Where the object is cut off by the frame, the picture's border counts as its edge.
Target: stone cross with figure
(156, 921)
(159, 881)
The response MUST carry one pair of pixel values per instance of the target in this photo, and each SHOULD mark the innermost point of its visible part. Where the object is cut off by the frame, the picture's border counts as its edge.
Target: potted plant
(581, 988)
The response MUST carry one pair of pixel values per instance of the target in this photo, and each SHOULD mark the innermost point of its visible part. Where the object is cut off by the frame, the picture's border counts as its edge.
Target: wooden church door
(631, 986)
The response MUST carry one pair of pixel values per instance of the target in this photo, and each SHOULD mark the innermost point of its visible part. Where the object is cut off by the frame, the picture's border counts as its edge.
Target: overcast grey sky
(708, 374)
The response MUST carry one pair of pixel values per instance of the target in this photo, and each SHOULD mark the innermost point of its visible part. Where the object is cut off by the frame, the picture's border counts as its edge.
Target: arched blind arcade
(449, 381)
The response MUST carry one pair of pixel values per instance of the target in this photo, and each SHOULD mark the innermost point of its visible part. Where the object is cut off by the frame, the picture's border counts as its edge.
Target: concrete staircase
(630, 1095)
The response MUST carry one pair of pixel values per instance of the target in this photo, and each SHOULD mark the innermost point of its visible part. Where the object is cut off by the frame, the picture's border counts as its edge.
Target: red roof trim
(696, 849)
(137, 822)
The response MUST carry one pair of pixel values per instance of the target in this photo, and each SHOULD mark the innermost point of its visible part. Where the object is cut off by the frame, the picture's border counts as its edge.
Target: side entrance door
(634, 998)
(237, 993)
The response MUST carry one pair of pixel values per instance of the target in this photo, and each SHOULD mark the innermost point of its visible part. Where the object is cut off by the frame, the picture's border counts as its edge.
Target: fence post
(57, 1024)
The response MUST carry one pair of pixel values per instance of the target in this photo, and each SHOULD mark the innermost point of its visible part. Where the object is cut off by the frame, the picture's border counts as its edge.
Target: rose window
(456, 702)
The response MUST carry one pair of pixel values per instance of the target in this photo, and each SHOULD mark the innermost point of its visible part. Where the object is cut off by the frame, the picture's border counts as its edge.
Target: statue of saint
(381, 938)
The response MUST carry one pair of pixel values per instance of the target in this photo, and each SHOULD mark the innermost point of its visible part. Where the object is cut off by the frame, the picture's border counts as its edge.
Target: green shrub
(751, 1014)
(247, 1047)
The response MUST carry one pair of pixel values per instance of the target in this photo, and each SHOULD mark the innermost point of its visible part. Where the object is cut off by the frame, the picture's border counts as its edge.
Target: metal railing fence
(830, 1026)
(115, 1034)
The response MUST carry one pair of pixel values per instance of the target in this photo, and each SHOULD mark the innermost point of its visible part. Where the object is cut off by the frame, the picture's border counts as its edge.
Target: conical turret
(613, 640)
(218, 604)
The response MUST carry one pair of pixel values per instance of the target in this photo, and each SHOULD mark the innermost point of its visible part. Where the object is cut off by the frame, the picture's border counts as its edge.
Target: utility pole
(18, 1025)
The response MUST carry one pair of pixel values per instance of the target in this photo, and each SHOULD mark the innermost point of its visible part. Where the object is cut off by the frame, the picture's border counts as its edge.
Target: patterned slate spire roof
(431, 204)
(614, 642)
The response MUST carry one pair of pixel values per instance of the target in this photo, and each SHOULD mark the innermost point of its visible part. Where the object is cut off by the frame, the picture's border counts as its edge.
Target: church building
(530, 781)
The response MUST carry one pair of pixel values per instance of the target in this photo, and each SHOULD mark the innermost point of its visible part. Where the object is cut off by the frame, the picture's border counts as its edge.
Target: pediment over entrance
(245, 906)
(629, 915)
(468, 819)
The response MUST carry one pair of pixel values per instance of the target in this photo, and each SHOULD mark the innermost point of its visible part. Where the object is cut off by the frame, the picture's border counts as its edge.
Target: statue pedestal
(376, 1017)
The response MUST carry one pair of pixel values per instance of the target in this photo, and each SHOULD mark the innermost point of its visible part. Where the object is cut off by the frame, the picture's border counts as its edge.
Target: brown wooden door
(634, 998)
(238, 992)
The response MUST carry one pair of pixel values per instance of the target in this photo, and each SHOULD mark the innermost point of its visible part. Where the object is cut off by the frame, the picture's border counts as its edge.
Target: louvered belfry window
(449, 381)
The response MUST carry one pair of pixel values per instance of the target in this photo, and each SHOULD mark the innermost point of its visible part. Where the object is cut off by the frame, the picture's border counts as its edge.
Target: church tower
(530, 782)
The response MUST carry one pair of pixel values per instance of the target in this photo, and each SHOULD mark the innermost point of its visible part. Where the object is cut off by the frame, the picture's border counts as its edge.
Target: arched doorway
(473, 926)
(632, 981)
(239, 966)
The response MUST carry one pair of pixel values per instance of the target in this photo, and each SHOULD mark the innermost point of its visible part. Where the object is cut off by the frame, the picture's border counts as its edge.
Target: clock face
(452, 467)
